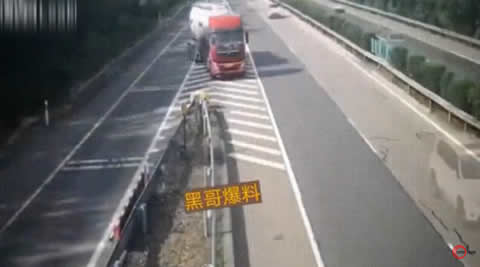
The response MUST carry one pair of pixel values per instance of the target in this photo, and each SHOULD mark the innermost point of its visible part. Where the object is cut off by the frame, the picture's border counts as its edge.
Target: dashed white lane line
(255, 160)
(250, 124)
(87, 136)
(255, 147)
(235, 104)
(252, 135)
(237, 97)
(248, 114)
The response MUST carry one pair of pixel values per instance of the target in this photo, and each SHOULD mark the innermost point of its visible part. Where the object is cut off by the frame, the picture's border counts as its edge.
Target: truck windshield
(229, 36)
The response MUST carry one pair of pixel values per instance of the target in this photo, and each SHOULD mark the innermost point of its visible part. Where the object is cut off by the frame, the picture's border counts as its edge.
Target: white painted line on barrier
(249, 114)
(291, 175)
(250, 124)
(252, 135)
(85, 137)
(256, 160)
(237, 97)
(229, 103)
(255, 147)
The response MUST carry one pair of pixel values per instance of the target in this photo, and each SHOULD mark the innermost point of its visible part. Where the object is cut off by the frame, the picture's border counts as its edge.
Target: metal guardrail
(433, 101)
(434, 29)
(210, 216)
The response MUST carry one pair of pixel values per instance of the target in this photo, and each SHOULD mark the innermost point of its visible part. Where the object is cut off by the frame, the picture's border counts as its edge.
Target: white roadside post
(47, 119)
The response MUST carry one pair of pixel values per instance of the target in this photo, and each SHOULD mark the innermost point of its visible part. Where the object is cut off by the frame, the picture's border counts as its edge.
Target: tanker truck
(220, 43)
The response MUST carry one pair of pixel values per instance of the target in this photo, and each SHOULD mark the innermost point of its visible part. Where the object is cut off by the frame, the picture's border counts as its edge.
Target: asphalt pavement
(360, 214)
(62, 184)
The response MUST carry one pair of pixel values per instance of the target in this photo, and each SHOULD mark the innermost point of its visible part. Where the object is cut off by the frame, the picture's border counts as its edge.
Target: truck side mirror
(246, 37)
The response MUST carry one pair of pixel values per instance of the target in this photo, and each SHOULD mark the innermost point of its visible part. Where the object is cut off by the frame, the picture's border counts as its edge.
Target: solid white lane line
(249, 114)
(229, 103)
(255, 147)
(100, 247)
(87, 135)
(252, 135)
(101, 167)
(291, 175)
(256, 160)
(244, 98)
(238, 91)
(250, 124)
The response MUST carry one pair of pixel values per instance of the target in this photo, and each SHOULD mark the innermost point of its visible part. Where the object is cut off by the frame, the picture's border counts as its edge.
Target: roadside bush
(457, 94)
(352, 32)
(414, 66)
(445, 82)
(431, 76)
(399, 58)
(474, 100)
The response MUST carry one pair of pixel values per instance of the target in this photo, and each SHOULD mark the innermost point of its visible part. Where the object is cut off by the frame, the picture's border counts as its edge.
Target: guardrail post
(430, 105)
(465, 127)
(47, 117)
(143, 217)
(449, 116)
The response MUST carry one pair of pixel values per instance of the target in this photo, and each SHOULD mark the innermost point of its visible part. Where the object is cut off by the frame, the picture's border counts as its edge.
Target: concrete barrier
(433, 101)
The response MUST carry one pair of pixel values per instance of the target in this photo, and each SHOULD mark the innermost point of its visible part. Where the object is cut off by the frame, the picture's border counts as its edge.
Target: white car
(455, 177)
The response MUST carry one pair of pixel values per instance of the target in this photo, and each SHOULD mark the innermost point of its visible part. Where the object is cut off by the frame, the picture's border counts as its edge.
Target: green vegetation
(461, 16)
(464, 94)
(400, 58)
(45, 65)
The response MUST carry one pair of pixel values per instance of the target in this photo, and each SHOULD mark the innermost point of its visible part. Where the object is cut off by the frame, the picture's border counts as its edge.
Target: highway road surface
(62, 184)
(328, 199)
(446, 44)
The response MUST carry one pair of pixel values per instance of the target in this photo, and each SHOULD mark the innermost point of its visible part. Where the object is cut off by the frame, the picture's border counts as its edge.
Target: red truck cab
(227, 41)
